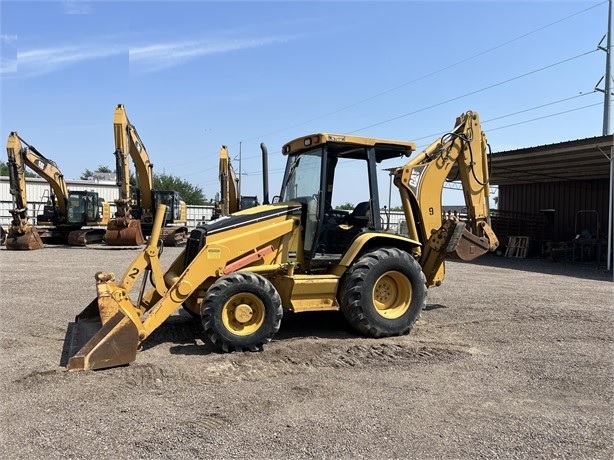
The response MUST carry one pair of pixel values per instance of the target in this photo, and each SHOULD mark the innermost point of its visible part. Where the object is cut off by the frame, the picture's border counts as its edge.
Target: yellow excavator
(135, 212)
(72, 217)
(239, 274)
(230, 201)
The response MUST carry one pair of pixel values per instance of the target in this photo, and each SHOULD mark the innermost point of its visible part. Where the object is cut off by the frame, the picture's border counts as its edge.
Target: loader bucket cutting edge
(121, 235)
(27, 241)
(94, 345)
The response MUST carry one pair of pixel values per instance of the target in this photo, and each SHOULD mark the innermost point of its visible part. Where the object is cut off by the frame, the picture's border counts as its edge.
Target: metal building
(556, 194)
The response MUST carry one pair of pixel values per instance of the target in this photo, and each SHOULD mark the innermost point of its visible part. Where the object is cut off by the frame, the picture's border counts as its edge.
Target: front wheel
(383, 293)
(241, 311)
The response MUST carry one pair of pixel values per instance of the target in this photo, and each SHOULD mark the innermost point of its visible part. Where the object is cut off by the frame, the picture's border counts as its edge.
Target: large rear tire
(241, 312)
(383, 293)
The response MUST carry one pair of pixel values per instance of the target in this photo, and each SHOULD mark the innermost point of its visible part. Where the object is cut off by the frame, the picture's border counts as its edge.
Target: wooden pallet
(517, 246)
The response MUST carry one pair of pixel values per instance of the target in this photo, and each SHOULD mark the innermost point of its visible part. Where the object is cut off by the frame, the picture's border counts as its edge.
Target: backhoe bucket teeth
(27, 241)
(120, 234)
(102, 336)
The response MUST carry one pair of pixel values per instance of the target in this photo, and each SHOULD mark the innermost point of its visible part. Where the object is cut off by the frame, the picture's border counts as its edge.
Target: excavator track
(174, 236)
(86, 236)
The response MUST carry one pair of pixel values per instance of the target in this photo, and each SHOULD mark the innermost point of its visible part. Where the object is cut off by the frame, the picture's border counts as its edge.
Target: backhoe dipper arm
(127, 140)
(421, 182)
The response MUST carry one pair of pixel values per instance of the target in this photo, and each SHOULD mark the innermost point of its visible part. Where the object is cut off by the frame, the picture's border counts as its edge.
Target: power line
(439, 133)
(494, 85)
(430, 74)
(545, 116)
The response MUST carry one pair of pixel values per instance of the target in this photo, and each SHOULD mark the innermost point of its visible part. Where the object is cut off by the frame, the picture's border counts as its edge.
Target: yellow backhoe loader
(135, 212)
(71, 217)
(239, 274)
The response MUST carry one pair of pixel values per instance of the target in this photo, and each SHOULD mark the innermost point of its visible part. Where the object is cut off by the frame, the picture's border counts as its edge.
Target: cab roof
(346, 146)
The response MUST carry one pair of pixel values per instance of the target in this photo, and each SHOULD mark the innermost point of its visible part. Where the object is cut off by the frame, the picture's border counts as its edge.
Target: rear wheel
(383, 293)
(241, 311)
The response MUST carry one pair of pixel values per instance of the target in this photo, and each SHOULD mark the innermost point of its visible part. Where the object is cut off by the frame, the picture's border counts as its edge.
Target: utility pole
(607, 94)
(607, 91)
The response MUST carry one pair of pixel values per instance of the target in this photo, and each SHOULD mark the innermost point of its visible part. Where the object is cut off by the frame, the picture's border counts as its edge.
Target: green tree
(345, 207)
(4, 170)
(188, 192)
(87, 174)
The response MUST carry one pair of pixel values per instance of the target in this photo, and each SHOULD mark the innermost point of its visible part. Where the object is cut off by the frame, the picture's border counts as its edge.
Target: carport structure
(566, 185)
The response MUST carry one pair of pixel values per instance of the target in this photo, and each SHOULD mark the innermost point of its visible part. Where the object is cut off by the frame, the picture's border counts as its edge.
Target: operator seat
(360, 215)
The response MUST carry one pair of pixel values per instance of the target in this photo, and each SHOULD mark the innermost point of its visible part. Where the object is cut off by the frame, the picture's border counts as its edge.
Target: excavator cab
(173, 204)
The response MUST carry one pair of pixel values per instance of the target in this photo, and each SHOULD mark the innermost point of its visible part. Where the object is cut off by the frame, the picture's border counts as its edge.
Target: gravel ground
(512, 359)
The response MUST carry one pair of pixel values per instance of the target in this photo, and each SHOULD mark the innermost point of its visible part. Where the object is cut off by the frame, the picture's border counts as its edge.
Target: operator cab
(320, 164)
(173, 204)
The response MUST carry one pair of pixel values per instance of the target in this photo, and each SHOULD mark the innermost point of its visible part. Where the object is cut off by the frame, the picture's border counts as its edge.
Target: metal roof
(581, 159)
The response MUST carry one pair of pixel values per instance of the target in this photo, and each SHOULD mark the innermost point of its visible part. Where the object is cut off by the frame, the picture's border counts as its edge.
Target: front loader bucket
(97, 346)
(102, 336)
(120, 234)
(27, 241)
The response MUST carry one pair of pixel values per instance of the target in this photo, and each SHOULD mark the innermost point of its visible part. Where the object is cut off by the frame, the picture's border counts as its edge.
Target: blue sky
(195, 75)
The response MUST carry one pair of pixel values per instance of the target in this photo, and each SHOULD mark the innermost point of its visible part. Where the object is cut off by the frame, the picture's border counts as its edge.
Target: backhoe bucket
(121, 234)
(102, 336)
(27, 241)
(469, 246)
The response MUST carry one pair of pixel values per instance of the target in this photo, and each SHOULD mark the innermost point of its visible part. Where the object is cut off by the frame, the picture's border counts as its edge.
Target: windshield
(302, 176)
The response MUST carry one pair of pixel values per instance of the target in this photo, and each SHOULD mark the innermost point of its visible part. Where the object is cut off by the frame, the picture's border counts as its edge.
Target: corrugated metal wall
(566, 198)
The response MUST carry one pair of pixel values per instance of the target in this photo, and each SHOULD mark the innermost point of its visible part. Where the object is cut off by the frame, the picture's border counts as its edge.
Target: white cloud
(8, 38)
(165, 55)
(77, 7)
(46, 60)
(8, 54)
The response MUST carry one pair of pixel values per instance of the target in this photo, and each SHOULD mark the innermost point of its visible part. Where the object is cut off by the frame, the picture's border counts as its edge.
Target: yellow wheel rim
(243, 314)
(392, 295)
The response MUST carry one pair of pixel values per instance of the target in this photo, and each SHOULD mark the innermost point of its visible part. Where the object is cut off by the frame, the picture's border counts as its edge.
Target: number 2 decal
(133, 273)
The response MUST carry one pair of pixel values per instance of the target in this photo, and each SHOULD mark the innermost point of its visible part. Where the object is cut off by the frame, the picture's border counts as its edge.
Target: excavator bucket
(124, 234)
(27, 241)
(102, 336)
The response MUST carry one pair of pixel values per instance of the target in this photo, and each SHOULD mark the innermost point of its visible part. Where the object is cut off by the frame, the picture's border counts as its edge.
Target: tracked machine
(230, 200)
(240, 273)
(135, 211)
(72, 217)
